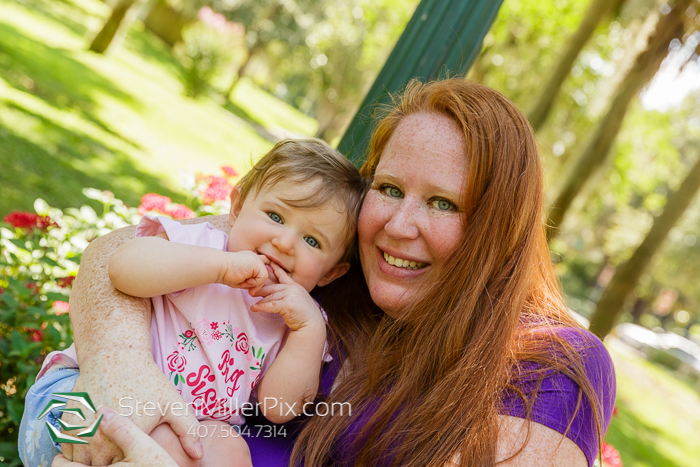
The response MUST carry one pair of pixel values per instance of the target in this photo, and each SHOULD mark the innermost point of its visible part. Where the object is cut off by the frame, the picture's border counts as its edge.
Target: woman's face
(410, 220)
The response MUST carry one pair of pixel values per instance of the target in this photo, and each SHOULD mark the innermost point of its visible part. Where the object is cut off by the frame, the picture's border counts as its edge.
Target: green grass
(71, 119)
(658, 421)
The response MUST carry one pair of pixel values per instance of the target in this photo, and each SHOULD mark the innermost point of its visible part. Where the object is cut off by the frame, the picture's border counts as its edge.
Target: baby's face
(308, 243)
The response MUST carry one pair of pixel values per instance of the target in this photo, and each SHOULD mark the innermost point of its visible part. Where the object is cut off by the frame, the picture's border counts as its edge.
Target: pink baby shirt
(205, 339)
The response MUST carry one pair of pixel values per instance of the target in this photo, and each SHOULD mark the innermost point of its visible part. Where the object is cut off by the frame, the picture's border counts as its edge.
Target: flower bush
(39, 258)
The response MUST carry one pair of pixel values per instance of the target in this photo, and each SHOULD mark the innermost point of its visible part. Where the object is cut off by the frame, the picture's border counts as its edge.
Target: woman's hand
(138, 448)
(128, 388)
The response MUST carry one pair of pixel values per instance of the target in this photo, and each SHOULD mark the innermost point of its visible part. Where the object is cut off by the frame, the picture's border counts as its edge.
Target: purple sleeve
(555, 403)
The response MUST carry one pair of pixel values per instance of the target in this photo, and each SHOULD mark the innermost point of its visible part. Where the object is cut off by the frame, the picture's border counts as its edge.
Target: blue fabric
(34, 444)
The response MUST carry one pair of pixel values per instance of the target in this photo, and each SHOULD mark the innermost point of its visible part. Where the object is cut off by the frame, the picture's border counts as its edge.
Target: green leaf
(19, 243)
(49, 261)
(53, 296)
(182, 378)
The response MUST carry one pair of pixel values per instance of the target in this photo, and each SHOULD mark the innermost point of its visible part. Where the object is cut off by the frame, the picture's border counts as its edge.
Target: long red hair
(433, 379)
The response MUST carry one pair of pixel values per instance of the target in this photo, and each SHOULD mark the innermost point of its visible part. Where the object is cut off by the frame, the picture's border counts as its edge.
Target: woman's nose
(405, 220)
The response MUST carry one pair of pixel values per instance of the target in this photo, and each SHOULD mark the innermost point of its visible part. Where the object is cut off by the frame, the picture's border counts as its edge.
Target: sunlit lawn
(658, 421)
(71, 119)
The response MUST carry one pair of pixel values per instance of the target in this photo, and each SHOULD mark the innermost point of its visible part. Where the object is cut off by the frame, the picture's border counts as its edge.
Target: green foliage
(207, 52)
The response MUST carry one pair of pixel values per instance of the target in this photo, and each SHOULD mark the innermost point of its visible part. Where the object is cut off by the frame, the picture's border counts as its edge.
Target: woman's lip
(395, 271)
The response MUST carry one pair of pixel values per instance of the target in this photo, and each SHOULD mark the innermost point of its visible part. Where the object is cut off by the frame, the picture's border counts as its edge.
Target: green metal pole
(442, 38)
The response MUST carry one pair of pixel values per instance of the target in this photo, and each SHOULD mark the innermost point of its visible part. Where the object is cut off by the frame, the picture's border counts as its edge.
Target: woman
(456, 346)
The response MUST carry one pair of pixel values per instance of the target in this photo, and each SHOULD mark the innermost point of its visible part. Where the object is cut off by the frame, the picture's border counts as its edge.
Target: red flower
(154, 202)
(65, 281)
(33, 286)
(611, 458)
(229, 171)
(242, 344)
(189, 333)
(615, 411)
(214, 325)
(216, 335)
(37, 335)
(1, 290)
(28, 221)
(180, 211)
(176, 362)
(215, 193)
(60, 307)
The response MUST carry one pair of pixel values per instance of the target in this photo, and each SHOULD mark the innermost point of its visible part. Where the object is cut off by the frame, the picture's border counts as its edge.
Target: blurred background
(109, 110)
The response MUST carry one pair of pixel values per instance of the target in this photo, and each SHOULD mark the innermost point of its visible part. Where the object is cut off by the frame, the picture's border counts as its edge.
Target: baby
(232, 315)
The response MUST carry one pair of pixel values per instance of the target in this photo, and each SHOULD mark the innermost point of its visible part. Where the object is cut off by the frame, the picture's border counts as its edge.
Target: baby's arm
(152, 266)
(292, 379)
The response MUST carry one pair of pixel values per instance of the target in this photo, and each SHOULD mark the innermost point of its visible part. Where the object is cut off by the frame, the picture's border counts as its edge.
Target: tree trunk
(167, 23)
(597, 10)
(668, 27)
(627, 275)
(241, 69)
(104, 38)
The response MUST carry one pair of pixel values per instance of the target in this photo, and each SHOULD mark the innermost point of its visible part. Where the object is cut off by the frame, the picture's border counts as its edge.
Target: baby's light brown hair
(303, 161)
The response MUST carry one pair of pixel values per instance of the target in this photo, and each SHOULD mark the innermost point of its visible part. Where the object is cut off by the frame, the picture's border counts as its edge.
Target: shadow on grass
(635, 440)
(64, 162)
(55, 76)
(144, 43)
(256, 124)
(63, 11)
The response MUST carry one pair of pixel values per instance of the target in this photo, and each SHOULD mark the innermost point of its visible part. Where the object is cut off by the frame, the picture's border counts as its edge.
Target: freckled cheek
(444, 237)
(374, 215)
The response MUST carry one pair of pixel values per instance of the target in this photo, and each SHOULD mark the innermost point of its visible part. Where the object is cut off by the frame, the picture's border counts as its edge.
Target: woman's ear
(235, 205)
(334, 273)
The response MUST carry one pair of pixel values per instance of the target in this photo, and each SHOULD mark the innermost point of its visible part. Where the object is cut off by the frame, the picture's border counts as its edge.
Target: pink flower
(33, 286)
(242, 344)
(216, 335)
(154, 202)
(611, 458)
(229, 171)
(65, 281)
(37, 335)
(28, 221)
(214, 325)
(180, 211)
(60, 307)
(189, 333)
(215, 193)
(176, 362)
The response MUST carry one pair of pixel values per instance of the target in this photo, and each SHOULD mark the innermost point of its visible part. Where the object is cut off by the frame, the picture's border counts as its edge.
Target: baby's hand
(244, 270)
(290, 300)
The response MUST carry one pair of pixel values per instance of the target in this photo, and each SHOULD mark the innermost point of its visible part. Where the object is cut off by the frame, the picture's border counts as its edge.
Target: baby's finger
(282, 275)
(264, 259)
(270, 289)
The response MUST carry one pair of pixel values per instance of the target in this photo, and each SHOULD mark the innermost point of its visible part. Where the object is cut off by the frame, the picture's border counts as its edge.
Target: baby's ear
(334, 273)
(235, 205)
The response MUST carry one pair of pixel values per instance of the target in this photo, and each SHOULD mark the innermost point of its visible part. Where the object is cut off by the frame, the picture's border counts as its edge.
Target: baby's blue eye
(392, 191)
(275, 217)
(312, 242)
(443, 205)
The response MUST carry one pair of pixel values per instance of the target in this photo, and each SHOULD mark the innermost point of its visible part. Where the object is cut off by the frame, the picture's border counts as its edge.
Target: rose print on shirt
(242, 344)
(203, 331)
(187, 340)
(176, 365)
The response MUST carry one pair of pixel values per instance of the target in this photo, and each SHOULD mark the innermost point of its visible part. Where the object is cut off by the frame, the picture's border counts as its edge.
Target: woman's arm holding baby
(152, 266)
(111, 333)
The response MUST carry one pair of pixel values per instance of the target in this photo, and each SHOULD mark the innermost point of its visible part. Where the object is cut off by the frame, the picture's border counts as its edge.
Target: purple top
(554, 406)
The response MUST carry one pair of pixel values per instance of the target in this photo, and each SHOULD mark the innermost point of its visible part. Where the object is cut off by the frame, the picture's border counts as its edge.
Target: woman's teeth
(402, 263)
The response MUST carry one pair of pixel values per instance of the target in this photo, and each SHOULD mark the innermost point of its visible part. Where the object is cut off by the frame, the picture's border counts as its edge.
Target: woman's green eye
(443, 205)
(312, 242)
(392, 191)
(275, 217)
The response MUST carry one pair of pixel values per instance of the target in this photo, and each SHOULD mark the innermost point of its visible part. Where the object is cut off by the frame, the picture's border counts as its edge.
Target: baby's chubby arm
(293, 378)
(152, 266)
